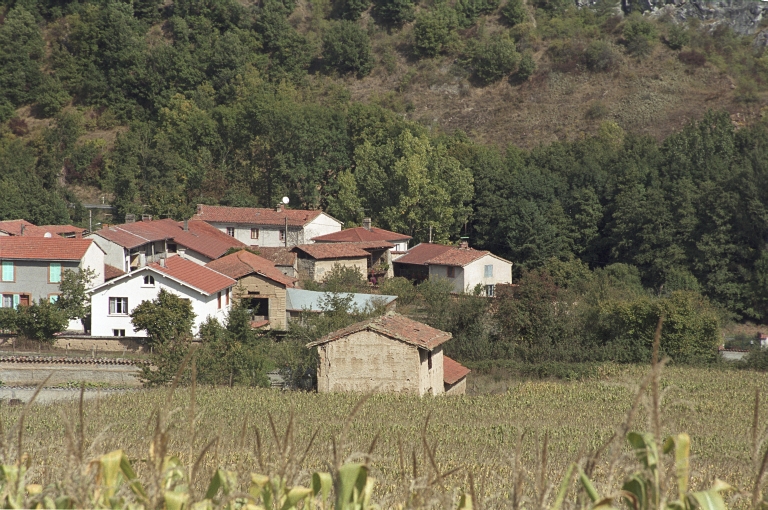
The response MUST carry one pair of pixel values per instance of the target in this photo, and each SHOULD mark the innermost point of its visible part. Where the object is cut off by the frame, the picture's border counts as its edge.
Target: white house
(465, 267)
(209, 291)
(267, 227)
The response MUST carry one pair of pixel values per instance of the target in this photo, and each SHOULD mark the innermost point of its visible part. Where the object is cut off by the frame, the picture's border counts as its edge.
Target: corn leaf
(587, 484)
(681, 444)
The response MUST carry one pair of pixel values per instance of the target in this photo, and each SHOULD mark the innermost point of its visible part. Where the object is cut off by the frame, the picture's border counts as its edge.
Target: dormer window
(149, 281)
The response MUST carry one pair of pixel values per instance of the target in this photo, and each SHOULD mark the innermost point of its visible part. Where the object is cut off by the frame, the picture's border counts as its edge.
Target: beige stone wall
(367, 361)
(100, 344)
(258, 286)
(431, 381)
(310, 269)
(460, 388)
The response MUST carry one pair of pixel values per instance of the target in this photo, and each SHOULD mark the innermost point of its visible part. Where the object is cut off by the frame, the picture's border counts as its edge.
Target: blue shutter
(53, 298)
(55, 272)
(16, 300)
(7, 271)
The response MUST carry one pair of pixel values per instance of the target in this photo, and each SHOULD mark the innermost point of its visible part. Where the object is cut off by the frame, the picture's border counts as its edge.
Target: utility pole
(90, 220)
(285, 235)
(430, 234)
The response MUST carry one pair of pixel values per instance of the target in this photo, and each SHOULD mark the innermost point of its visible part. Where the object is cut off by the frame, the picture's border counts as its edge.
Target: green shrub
(347, 48)
(601, 56)
(756, 359)
(167, 317)
(495, 59)
(514, 12)
(677, 37)
(350, 9)
(527, 66)
(394, 12)
(401, 287)
(51, 96)
(596, 110)
(468, 11)
(639, 36)
(40, 321)
(433, 30)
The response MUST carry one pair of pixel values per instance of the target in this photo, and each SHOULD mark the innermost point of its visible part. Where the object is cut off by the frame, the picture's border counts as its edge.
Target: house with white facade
(465, 267)
(209, 292)
(259, 227)
(134, 244)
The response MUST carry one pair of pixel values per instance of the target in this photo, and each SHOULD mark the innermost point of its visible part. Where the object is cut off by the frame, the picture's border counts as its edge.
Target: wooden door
(24, 300)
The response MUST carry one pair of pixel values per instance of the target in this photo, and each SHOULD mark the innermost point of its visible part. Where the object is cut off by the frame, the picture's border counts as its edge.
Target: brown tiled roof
(111, 272)
(453, 371)
(395, 326)
(255, 216)
(422, 253)
(323, 251)
(195, 275)
(201, 237)
(279, 256)
(458, 257)
(360, 234)
(259, 324)
(13, 227)
(58, 229)
(242, 263)
(372, 245)
(43, 248)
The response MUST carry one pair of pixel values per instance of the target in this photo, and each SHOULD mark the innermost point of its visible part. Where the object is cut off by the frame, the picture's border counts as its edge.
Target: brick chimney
(367, 223)
(146, 217)
(463, 245)
(279, 208)
(186, 225)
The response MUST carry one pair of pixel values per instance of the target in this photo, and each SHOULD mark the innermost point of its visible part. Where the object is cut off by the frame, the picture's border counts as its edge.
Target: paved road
(32, 374)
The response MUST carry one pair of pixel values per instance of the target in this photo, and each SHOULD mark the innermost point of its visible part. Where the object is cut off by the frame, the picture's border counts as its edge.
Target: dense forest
(161, 106)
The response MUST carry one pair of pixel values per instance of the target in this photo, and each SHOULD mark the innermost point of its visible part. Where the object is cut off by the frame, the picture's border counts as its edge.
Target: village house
(466, 268)
(28, 229)
(315, 261)
(135, 244)
(257, 227)
(387, 354)
(299, 301)
(31, 268)
(367, 233)
(112, 302)
(260, 284)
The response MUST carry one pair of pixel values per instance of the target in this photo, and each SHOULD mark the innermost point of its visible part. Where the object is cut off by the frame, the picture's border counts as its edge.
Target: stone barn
(387, 354)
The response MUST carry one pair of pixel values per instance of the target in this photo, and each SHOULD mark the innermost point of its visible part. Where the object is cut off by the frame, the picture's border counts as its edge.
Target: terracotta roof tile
(421, 253)
(360, 234)
(395, 326)
(43, 248)
(322, 251)
(111, 272)
(242, 263)
(60, 229)
(13, 227)
(255, 216)
(195, 275)
(458, 257)
(279, 256)
(453, 371)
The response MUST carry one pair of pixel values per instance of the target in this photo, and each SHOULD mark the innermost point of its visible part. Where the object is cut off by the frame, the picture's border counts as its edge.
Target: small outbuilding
(387, 354)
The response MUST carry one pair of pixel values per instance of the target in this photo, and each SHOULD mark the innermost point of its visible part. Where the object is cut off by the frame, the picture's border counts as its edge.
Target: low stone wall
(33, 373)
(101, 344)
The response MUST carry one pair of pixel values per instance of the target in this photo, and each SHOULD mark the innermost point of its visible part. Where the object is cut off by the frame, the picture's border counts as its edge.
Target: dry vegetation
(479, 434)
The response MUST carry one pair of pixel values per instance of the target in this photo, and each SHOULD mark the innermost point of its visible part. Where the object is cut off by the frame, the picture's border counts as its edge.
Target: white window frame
(254, 233)
(5, 264)
(231, 231)
(149, 278)
(113, 305)
(488, 269)
(490, 290)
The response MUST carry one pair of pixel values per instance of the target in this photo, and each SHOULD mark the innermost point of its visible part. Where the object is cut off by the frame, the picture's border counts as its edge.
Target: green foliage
(514, 12)
(347, 48)
(167, 319)
(400, 287)
(39, 321)
(639, 35)
(73, 299)
(677, 37)
(495, 58)
(21, 52)
(601, 56)
(51, 96)
(467, 11)
(433, 30)
(350, 9)
(527, 66)
(394, 12)
(344, 279)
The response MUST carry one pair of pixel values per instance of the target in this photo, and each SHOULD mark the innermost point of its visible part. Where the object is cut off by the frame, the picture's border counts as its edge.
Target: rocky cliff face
(743, 16)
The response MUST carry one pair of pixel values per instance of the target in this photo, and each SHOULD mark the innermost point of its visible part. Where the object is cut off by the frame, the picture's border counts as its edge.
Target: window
(7, 301)
(282, 235)
(489, 290)
(118, 332)
(54, 272)
(489, 271)
(53, 298)
(219, 300)
(8, 273)
(254, 233)
(149, 281)
(429, 360)
(231, 231)
(118, 306)
(173, 248)
(451, 272)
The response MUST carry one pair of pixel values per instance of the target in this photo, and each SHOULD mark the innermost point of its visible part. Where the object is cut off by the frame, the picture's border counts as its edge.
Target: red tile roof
(453, 371)
(279, 256)
(441, 255)
(360, 234)
(111, 272)
(43, 248)
(324, 251)
(13, 227)
(201, 237)
(259, 324)
(371, 245)
(255, 216)
(242, 263)
(195, 275)
(58, 229)
(395, 326)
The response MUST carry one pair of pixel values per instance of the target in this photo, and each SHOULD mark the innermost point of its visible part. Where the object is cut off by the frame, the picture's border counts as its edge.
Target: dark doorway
(259, 307)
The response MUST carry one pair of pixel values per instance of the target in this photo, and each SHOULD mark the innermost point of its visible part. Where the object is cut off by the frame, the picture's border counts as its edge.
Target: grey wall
(32, 278)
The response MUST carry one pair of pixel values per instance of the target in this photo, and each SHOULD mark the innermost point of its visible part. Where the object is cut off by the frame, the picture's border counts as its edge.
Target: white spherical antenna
(48, 234)
(286, 200)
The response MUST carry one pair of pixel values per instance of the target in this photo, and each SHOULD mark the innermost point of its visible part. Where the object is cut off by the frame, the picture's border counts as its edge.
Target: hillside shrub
(467, 11)
(394, 12)
(350, 9)
(692, 58)
(639, 36)
(514, 13)
(495, 59)
(51, 96)
(601, 56)
(433, 30)
(401, 287)
(527, 66)
(347, 48)
(677, 37)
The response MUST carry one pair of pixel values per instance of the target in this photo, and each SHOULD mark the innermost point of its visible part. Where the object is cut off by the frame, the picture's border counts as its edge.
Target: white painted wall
(114, 253)
(94, 260)
(193, 256)
(132, 287)
(320, 226)
(269, 235)
(474, 273)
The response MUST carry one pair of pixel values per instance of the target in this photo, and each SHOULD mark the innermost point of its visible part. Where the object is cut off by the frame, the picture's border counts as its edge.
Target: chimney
(367, 223)
(23, 228)
(181, 252)
(199, 208)
(162, 261)
(146, 217)
(279, 208)
(463, 245)
(186, 225)
(130, 218)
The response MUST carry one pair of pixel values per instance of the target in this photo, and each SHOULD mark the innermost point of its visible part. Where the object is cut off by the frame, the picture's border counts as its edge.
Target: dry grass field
(478, 434)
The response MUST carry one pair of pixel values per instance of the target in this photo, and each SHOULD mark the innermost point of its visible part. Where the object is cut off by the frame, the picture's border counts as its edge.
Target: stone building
(390, 353)
(315, 261)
